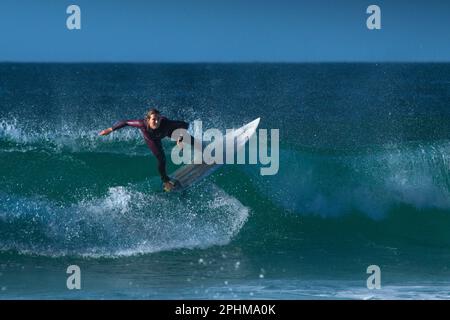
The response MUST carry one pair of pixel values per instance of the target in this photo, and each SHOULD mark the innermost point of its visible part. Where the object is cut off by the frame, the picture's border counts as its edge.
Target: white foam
(331, 289)
(126, 221)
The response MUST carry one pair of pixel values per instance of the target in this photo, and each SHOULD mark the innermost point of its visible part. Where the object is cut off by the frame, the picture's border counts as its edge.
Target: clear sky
(224, 31)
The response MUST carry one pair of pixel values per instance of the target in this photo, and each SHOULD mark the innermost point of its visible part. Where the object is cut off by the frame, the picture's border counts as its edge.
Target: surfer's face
(153, 121)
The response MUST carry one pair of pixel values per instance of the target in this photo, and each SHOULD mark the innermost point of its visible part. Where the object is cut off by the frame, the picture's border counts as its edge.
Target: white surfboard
(190, 174)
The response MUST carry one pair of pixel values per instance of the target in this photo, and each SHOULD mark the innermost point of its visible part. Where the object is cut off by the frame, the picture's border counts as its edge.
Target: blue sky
(224, 31)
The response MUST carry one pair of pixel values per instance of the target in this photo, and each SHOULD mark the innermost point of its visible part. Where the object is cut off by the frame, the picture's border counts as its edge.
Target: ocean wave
(126, 221)
(371, 181)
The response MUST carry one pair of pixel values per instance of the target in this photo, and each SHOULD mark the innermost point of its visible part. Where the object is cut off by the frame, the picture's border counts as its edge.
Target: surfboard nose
(255, 122)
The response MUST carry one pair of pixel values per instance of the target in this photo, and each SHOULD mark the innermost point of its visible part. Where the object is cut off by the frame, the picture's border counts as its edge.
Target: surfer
(154, 128)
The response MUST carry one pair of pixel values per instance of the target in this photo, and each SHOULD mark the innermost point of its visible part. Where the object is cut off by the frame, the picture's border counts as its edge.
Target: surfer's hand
(180, 142)
(106, 132)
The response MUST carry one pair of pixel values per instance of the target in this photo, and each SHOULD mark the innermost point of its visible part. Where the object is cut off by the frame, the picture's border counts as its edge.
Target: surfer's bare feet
(168, 186)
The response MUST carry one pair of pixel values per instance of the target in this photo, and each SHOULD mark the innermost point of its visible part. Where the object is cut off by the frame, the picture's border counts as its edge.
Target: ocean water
(364, 180)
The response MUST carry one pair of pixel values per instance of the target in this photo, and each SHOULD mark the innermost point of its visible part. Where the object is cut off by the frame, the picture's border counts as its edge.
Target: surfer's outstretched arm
(132, 123)
(121, 124)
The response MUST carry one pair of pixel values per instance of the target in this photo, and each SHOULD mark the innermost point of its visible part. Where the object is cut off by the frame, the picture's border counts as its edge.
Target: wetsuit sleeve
(157, 150)
(174, 125)
(124, 123)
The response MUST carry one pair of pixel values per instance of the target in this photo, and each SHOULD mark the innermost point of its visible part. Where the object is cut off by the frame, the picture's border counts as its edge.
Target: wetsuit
(153, 138)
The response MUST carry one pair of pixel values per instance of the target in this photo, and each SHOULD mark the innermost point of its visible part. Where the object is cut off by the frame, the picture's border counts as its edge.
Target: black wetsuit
(153, 138)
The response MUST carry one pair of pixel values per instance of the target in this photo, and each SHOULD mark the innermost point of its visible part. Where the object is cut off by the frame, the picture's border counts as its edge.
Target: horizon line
(229, 62)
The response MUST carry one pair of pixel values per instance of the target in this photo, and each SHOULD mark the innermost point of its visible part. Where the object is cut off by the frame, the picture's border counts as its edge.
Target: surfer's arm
(174, 125)
(132, 123)
(121, 124)
(181, 139)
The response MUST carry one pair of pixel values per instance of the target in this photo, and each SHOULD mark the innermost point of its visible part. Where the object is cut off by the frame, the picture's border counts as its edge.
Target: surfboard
(190, 174)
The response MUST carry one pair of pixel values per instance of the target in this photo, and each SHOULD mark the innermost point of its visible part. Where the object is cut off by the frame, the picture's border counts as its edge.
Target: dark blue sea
(364, 179)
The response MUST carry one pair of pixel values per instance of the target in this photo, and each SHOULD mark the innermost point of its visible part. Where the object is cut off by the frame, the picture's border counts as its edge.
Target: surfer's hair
(150, 112)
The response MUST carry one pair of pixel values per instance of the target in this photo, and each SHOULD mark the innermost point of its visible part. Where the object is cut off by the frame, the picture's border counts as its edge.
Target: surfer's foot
(168, 186)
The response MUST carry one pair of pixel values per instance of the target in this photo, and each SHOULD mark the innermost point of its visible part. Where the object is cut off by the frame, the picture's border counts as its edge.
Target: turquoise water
(364, 179)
